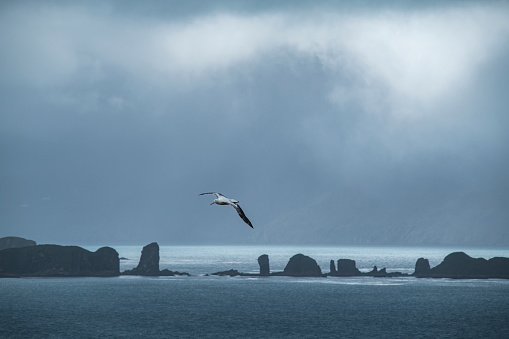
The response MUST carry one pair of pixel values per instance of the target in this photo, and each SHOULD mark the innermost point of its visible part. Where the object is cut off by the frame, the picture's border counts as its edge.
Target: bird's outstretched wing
(214, 193)
(242, 215)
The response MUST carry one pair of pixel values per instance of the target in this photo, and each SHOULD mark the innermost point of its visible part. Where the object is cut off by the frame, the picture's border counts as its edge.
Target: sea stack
(302, 266)
(263, 261)
(347, 267)
(149, 262)
(332, 266)
(422, 268)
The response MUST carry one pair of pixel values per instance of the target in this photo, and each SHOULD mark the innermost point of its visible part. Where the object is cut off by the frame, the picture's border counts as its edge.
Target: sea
(207, 306)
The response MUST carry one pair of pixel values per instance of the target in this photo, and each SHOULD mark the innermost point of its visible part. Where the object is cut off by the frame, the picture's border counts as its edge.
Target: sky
(361, 123)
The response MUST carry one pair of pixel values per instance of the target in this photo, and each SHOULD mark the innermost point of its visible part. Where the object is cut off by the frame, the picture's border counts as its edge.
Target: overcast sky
(364, 123)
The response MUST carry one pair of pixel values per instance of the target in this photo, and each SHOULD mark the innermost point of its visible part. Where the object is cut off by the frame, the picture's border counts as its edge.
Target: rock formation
(302, 266)
(167, 273)
(15, 242)
(231, 273)
(422, 268)
(56, 260)
(461, 265)
(298, 266)
(263, 261)
(347, 267)
(332, 268)
(149, 263)
(455, 265)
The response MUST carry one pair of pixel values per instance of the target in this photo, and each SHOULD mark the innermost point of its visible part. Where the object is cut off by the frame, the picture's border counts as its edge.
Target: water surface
(259, 307)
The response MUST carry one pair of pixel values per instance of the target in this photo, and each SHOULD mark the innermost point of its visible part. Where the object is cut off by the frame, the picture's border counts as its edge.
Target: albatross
(222, 200)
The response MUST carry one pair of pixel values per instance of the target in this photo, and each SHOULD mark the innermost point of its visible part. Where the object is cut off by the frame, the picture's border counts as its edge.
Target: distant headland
(23, 258)
(13, 242)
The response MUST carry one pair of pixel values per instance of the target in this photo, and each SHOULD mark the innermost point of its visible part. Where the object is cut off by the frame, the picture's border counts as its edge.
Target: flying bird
(222, 200)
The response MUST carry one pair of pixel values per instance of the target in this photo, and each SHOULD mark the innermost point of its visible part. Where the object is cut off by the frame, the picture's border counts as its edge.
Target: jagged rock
(332, 268)
(15, 242)
(149, 261)
(302, 266)
(263, 261)
(347, 267)
(149, 264)
(56, 260)
(231, 273)
(422, 267)
(168, 273)
(461, 265)
(380, 273)
(373, 271)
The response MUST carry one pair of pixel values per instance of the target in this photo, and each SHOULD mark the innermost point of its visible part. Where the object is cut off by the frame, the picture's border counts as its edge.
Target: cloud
(216, 42)
(426, 56)
(116, 102)
(419, 55)
(386, 113)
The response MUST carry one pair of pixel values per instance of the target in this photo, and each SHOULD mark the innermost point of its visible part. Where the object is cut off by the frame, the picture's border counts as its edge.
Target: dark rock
(168, 273)
(149, 264)
(263, 261)
(422, 267)
(231, 273)
(105, 259)
(499, 267)
(302, 266)
(461, 265)
(373, 271)
(55, 260)
(332, 268)
(15, 242)
(347, 267)
(380, 273)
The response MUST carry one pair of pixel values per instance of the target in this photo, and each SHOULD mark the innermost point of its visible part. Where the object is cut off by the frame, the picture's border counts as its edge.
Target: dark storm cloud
(345, 125)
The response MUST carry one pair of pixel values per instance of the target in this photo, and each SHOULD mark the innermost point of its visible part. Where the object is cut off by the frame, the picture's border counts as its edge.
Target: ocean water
(259, 307)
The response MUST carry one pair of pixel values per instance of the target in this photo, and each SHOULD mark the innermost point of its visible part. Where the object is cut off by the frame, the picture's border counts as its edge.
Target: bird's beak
(212, 203)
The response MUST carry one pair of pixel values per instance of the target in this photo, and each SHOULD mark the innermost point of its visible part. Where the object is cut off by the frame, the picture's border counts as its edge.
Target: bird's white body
(222, 200)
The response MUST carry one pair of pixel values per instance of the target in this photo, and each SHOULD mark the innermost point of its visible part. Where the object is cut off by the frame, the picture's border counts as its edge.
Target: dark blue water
(271, 307)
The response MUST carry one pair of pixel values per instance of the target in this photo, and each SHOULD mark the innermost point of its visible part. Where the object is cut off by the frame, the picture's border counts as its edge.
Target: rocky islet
(25, 259)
